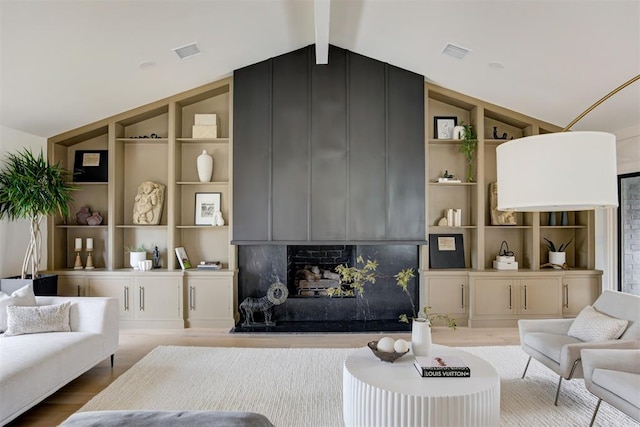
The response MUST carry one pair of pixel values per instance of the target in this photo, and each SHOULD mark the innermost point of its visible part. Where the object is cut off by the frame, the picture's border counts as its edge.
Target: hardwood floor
(135, 344)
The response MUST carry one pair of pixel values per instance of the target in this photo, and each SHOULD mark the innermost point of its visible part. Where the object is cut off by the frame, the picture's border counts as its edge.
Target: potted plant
(468, 146)
(136, 254)
(557, 254)
(32, 189)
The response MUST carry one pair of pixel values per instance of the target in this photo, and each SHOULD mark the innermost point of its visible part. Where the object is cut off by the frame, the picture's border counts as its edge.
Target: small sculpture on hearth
(276, 295)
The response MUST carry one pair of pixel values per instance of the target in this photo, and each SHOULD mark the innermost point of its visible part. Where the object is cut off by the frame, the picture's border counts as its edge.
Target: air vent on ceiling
(455, 51)
(187, 50)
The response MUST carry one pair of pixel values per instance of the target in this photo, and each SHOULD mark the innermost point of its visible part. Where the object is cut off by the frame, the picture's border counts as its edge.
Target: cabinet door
(119, 288)
(158, 298)
(71, 286)
(577, 292)
(447, 295)
(494, 296)
(540, 297)
(209, 301)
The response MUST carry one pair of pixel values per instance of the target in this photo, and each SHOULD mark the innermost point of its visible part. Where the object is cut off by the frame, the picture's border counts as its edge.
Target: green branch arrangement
(354, 279)
(552, 247)
(468, 146)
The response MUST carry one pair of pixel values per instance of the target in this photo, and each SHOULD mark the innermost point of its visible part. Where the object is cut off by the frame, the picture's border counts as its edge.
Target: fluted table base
(376, 393)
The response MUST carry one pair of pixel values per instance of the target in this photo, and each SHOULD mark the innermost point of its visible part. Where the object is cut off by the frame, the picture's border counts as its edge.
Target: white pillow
(23, 297)
(591, 325)
(33, 320)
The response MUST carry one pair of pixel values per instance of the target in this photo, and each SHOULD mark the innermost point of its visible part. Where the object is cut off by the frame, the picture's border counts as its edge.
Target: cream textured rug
(303, 387)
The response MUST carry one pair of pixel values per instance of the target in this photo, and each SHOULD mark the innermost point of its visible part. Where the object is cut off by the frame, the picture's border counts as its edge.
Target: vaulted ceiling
(68, 63)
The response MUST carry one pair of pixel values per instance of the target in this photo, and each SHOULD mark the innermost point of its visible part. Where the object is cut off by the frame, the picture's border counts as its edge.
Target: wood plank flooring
(135, 344)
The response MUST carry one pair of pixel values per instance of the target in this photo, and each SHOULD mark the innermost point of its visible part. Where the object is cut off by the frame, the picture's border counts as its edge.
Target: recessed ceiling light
(455, 51)
(495, 66)
(146, 65)
(187, 51)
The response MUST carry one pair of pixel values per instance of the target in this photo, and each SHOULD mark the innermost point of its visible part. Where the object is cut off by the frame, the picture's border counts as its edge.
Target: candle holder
(78, 263)
(89, 260)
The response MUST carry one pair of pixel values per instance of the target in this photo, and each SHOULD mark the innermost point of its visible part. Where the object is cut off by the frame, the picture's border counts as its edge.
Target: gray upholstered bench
(166, 419)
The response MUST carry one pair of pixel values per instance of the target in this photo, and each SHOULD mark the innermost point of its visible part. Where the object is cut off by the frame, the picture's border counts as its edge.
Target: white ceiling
(68, 63)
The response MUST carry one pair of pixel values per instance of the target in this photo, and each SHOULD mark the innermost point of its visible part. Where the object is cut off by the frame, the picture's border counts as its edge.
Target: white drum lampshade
(565, 171)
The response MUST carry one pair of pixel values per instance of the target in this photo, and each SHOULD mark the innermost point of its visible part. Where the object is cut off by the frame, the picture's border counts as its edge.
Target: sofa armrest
(572, 352)
(552, 326)
(625, 360)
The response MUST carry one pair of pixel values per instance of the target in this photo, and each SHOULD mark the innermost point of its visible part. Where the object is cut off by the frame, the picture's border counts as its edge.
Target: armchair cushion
(591, 325)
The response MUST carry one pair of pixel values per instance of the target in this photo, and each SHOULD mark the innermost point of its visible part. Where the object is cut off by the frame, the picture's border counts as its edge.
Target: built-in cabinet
(151, 143)
(449, 294)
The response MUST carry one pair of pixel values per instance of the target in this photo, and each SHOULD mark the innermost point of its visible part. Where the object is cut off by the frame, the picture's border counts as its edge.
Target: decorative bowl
(385, 356)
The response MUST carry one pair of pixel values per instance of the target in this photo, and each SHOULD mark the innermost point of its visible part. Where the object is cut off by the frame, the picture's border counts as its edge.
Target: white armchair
(614, 376)
(548, 341)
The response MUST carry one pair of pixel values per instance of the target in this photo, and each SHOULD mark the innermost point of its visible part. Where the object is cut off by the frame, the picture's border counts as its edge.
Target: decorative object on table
(421, 337)
(499, 217)
(32, 189)
(209, 265)
(206, 126)
(443, 222)
(458, 132)
(77, 265)
(136, 254)
(495, 134)
(91, 166)
(505, 260)
(564, 218)
(82, 215)
(218, 220)
(447, 177)
(94, 219)
(89, 249)
(145, 265)
(276, 295)
(443, 126)
(552, 219)
(441, 366)
(183, 258)
(156, 257)
(152, 136)
(204, 165)
(557, 255)
(468, 146)
(206, 206)
(147, 207)
(385, 356)
(446, 251)
(572, 185)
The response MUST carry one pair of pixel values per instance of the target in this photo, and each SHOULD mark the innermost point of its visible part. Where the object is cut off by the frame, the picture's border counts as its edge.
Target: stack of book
(441, 367)
(209, 265)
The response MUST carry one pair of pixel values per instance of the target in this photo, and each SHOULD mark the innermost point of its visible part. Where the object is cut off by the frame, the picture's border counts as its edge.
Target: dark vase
(552, 218)
(564, 218)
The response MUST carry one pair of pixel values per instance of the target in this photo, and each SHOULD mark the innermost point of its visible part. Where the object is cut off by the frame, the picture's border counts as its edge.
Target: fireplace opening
(311, 270)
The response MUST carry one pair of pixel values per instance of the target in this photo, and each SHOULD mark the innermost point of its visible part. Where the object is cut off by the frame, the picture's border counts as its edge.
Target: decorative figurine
(156, 258)
(148, 203)
(495, 134)
(276, 295)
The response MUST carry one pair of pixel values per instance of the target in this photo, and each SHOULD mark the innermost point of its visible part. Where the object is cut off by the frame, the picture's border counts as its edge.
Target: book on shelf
(183, 259)
(441, 367)
(209, 265)
(450, 180)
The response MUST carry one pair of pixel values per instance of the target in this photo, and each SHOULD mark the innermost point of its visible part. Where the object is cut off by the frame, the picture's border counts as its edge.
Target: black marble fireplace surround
(377, 311)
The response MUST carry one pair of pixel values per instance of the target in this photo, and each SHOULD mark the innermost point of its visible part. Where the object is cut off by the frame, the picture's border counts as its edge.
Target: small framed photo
(443, 126)
(206, 205)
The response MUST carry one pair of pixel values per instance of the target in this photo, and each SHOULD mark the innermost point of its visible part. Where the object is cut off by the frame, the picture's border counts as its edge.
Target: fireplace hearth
(307, 309)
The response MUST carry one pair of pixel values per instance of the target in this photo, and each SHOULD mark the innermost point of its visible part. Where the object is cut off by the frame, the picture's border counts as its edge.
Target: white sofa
(34, 366)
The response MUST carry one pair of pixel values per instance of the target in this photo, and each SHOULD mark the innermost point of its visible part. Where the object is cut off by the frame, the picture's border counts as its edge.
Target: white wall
(606, 238)
(14, 235)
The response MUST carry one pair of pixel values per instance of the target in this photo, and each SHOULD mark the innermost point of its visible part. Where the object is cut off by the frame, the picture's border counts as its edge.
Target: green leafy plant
(32, 189)
(552, 247)
(353, 280)
(468, 146)
(140, 248)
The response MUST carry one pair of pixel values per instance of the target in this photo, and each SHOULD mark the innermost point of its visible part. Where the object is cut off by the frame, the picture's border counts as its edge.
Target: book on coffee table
(441, 367)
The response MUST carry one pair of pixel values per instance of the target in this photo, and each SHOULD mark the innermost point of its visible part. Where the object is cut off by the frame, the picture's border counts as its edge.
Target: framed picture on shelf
(90, 166)
(446, 251)
(443, 126)
(206, 206)
(183, 258)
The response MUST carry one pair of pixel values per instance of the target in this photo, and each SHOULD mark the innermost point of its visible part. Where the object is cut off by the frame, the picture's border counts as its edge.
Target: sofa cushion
(622, 384)
(142, 418)
(549, 344)
(591, 325)
(22, 297)
(33, 320)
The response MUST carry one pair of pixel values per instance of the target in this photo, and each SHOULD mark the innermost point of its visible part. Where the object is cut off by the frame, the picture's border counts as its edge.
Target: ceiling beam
(321, 9)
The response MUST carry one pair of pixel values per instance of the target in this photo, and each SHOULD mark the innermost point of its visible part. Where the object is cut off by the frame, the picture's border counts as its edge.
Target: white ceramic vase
(135, 258)
(458, 132)
(205, 166)
(558, 259)
(421, 337)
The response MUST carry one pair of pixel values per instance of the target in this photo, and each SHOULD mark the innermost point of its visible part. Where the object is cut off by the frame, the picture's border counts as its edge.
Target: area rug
(303, 387)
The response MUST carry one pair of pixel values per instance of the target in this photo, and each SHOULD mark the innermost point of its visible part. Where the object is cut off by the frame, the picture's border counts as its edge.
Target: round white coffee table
(376, 393)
